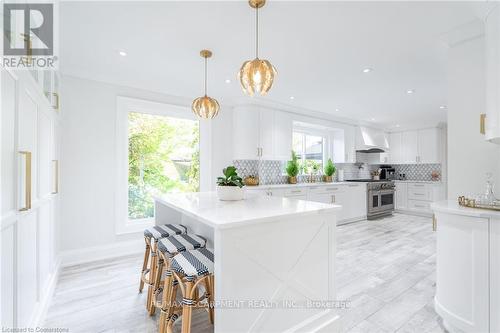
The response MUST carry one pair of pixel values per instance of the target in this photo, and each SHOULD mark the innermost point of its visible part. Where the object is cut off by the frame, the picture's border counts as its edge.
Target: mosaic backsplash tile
(418, 171)
(273, 172)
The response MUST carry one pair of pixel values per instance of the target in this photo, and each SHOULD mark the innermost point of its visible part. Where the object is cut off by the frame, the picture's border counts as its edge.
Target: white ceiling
(318, 48)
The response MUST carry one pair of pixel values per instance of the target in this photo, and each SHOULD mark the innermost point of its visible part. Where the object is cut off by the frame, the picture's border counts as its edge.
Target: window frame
(315, 132)
(125, 105)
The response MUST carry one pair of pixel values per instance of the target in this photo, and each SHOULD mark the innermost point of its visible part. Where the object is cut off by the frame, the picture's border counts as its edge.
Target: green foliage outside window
(163, 157)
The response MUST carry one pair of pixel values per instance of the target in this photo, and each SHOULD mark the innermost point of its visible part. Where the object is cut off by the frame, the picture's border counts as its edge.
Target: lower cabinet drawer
(295, 192)
(299, 196)
(419, 205)
(419, 193)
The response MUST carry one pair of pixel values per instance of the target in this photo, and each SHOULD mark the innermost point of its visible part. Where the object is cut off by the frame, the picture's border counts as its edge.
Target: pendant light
(205, 106)
(256, 76)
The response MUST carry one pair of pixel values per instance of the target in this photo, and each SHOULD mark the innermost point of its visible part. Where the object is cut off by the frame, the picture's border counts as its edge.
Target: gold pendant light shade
(256, 76)
(205, 107)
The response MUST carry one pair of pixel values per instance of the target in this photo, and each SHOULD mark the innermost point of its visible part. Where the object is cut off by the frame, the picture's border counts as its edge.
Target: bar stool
(189, 270)
(167, 249)
(151, 237)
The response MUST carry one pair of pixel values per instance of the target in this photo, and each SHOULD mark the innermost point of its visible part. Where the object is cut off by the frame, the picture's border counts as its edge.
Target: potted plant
(292, 169)
(329, 171)
(230, 187)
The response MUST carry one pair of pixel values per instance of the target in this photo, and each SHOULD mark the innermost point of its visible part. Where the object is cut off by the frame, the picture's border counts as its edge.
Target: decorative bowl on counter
(251, 181)
(230, 193)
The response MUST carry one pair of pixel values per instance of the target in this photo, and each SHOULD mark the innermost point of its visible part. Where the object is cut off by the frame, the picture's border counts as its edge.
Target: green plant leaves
(230, 178)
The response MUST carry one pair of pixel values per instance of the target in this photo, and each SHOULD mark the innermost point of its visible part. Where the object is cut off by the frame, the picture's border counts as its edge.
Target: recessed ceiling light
(337, 110)
(292, 98)
(397, 125)
(122, 53)
(367, 70)
(372, 119)
(442, 107)
(228, 81)
(410, 91)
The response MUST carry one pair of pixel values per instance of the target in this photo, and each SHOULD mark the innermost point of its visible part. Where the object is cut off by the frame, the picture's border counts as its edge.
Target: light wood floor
(386, 269)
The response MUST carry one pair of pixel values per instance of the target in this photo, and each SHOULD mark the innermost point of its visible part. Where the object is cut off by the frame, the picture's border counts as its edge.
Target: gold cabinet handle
(27, 181)
(56, 106)
(55, 163)
(434, 223)
(482, 123)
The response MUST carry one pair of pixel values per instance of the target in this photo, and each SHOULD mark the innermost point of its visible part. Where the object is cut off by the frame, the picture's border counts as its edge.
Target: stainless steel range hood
(371, 140)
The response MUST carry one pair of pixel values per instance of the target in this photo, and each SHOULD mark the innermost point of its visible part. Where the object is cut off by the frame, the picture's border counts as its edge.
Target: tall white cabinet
(492, 36)
(29, 196)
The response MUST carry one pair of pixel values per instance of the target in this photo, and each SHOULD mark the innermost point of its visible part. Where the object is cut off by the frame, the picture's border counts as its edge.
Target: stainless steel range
(380, 197)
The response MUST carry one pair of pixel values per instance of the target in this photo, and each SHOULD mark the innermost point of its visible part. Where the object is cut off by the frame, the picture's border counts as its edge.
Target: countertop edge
(250, 221)
(452, 207)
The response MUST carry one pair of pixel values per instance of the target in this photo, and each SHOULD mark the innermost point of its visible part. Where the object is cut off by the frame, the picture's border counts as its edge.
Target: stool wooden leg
(187, 307)
(166, 302)
(156, 284)
(210, 298)
(171, 309)
(152, 273)
(144, 266)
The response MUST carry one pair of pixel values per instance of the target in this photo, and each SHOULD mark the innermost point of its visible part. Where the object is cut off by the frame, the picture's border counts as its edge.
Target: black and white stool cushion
(162, 231)
(193, 263)
(180, 243)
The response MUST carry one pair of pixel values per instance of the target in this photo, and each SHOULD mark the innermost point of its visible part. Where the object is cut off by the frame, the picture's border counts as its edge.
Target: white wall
(88, 147)
(470, 157)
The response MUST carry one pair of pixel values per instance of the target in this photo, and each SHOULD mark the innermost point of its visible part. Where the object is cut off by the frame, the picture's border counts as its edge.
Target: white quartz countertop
(208, 209)
(452, 207)
(420, 181)
(270, 186)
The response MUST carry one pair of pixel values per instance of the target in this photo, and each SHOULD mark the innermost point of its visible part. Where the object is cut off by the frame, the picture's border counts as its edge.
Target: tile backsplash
(418, 171)
(273, 172)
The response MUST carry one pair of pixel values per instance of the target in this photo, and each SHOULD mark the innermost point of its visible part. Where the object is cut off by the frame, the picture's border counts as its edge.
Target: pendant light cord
(257, 32)
(205, 76)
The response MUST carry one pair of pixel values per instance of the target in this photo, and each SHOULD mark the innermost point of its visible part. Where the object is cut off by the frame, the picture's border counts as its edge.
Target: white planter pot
(230, 193)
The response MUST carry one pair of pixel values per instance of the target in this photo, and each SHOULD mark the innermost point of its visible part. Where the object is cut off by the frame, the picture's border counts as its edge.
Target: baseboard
(412, 212)
(44, 304)
(95, 253)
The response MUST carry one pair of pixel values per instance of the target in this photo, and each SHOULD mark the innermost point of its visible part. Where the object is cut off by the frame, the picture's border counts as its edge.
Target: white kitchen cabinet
(266, 136)
(28, 124)
(409, 144)
(261, 133)
(350, 144)
(417, 197)
(401, 196)
(495, 274)
(492, 36)
(411, 147)
(396, 150)
(428, 145)
(356, 201)
(246, 133)
(464, 267)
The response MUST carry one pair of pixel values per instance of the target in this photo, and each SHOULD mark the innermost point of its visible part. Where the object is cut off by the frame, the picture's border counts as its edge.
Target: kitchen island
(274, 259)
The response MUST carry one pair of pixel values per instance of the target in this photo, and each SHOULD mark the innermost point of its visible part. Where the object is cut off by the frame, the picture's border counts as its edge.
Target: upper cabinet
(260, 133)
(410, 147)
(490, 125)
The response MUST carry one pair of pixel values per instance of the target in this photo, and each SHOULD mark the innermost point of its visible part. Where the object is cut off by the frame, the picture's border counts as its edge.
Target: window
(157, 152)
(163, 156)
(310, 150)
